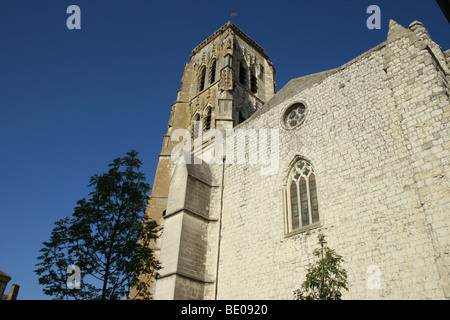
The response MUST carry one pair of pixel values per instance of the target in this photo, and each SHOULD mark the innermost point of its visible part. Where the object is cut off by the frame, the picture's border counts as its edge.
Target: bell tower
(228, 78)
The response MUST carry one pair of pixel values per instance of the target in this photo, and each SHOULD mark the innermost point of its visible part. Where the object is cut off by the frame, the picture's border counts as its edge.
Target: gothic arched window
(302, 206)
(201, 79)
(212, 72)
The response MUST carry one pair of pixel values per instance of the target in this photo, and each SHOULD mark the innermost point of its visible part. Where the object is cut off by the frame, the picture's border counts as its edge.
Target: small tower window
(208, 119)
(201, 79)
(212, 72)
(242, 74)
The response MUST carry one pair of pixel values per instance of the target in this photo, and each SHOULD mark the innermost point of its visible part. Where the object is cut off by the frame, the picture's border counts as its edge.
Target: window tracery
(302, 208)
(294, 115)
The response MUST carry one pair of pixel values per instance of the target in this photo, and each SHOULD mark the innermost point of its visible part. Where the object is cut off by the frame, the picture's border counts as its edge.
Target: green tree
(326, 278)
(107, 237)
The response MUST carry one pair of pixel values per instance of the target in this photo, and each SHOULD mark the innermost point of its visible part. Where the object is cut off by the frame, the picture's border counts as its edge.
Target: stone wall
(184, 243)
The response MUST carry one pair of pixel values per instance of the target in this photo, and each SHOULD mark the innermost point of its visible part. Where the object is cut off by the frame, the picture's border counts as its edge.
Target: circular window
(294, 115)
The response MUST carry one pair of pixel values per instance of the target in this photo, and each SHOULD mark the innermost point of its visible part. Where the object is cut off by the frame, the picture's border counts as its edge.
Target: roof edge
(238, 31)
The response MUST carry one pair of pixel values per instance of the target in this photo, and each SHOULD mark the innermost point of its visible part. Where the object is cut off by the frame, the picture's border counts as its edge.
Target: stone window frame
(286, 110)
(293, 171)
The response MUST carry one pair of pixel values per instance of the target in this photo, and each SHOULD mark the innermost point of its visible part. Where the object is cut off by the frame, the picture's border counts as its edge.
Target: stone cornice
(238, 31)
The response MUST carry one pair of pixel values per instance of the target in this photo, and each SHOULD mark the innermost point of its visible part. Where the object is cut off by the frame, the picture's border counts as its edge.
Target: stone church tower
(361, 154)
(228, 78)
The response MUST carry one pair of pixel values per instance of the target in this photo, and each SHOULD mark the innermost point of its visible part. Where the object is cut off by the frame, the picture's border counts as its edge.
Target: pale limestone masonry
(376, 132)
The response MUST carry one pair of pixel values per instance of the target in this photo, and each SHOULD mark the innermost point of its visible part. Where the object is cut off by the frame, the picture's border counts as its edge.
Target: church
(248, 177)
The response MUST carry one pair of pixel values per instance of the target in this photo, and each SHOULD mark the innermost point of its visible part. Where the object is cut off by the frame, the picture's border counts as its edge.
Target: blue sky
(73, 100)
